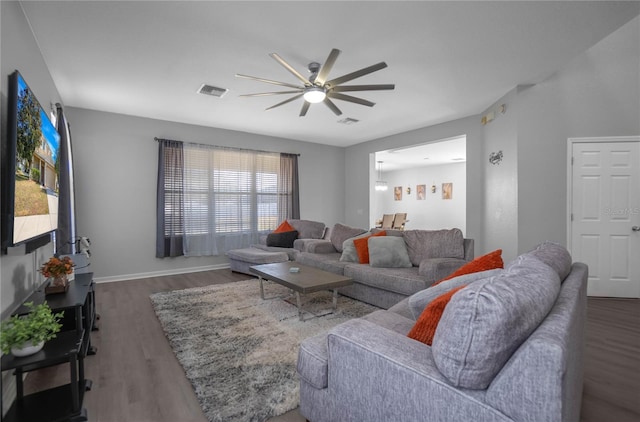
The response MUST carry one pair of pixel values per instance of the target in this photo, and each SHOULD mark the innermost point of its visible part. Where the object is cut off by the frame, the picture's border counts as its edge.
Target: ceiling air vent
(212, 90)
(348, 121)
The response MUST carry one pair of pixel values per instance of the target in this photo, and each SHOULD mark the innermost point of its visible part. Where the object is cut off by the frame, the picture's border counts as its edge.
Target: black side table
(61, 403)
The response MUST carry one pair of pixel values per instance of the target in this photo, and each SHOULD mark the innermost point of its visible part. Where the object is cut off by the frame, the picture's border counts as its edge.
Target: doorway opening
(426, 181)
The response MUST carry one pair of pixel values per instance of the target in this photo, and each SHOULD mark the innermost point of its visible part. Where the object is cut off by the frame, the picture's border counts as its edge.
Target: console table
(70, 346)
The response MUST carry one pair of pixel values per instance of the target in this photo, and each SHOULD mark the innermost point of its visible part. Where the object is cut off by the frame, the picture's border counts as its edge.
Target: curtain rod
(218, 146)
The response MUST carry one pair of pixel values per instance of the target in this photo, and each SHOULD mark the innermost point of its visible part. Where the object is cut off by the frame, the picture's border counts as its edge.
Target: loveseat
(392, 274)
(509, 346)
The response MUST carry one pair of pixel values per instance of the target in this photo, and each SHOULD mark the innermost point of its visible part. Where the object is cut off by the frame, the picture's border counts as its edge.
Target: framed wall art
(447, 190)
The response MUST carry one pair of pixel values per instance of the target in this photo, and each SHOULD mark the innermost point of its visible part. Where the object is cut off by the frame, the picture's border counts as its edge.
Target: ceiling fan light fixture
(314, 94)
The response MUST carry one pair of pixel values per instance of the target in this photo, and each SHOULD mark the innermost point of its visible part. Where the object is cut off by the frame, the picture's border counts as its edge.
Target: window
(221, 198)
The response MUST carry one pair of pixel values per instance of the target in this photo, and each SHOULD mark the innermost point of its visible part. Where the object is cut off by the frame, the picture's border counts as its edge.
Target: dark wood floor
(136, 376)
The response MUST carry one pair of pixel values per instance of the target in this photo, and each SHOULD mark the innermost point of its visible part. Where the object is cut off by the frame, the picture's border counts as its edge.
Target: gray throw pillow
(484, 323)
(340, 233)
(419, 301)
(349, 252)
(388, 252)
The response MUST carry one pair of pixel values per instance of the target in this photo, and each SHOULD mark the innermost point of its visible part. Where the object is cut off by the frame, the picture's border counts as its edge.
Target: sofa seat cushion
(257, 256)
(424, 244)
(487, 321)
(405, 281)
(324, 261)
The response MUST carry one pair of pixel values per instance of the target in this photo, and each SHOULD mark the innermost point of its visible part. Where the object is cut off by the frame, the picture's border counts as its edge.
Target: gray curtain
(288, 187)
(66, 234)
(170, 199)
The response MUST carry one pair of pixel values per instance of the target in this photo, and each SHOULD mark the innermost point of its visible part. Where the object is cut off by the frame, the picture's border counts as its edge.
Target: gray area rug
(240, 351)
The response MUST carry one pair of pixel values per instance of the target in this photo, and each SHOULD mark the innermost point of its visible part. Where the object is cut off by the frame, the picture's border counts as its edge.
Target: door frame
(570, 143)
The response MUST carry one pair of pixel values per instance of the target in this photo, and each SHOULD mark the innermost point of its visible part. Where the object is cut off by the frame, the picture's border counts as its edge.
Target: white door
(605, 213)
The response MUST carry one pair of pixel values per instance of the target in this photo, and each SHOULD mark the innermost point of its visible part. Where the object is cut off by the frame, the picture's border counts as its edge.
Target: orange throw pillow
(425, 327)
(490, 261)
(284, 227)
(362, 246)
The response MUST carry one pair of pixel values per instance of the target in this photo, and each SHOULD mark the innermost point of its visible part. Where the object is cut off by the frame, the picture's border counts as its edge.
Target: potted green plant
(25, 334)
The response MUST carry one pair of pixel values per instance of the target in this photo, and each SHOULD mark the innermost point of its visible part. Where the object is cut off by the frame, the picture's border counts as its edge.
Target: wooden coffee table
(306, 280)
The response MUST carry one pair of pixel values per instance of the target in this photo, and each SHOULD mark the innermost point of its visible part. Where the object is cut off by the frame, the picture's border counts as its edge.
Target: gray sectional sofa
(433, 255)
(508, 347)
(403, 262)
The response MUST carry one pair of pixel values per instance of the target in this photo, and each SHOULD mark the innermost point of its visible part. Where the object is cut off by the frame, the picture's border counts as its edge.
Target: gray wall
(359, 163)
(501, 180)
(18, 50)
(116, 171)
(433, 212)
(595, 94)
(18, 274)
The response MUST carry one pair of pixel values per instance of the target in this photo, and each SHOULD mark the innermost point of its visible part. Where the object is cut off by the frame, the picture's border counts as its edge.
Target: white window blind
(213, 199)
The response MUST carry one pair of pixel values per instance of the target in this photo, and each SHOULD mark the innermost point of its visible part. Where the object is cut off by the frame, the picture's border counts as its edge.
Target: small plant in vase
(24, 335)
(57, 269)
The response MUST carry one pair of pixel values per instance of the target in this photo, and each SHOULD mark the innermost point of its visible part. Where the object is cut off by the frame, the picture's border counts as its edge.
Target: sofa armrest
(315, 246)
(433, 269)
(375, 374)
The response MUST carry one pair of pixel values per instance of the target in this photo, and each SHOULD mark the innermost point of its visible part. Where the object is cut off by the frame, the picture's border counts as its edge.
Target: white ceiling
(446, 151)
(447, 59)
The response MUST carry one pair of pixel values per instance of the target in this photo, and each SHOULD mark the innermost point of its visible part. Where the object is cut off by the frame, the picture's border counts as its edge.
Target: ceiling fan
(316, 88)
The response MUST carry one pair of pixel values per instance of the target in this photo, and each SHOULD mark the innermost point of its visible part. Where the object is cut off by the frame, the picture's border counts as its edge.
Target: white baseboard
(138, 276)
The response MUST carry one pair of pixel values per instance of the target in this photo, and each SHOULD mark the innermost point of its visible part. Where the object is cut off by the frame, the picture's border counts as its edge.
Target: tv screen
(31, 160)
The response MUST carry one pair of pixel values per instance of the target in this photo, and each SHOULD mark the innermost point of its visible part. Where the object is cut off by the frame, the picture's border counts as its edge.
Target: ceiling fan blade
(305, 108)
(290, 69)
(332, 106)
(295, 97)
(269, 81)
(264, 94)
(357, 74)
(351, 99)
(345, 88)
(327, 66)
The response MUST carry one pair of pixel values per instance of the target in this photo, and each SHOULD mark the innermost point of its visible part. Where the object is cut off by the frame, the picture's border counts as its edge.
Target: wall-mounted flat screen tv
(30, 160)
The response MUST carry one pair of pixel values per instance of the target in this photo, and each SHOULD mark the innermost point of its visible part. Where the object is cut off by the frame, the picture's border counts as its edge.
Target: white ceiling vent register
(212, 90)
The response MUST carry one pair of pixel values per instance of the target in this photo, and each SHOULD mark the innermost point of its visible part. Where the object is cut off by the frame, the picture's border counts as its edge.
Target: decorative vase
(58, 284)
(27, 349)
(60, 280)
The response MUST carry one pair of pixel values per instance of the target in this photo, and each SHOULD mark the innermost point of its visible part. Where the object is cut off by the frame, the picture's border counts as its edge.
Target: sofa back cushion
(308, 229)
(423, 244)
(555, 256)
(487, 321)
(340, 233)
